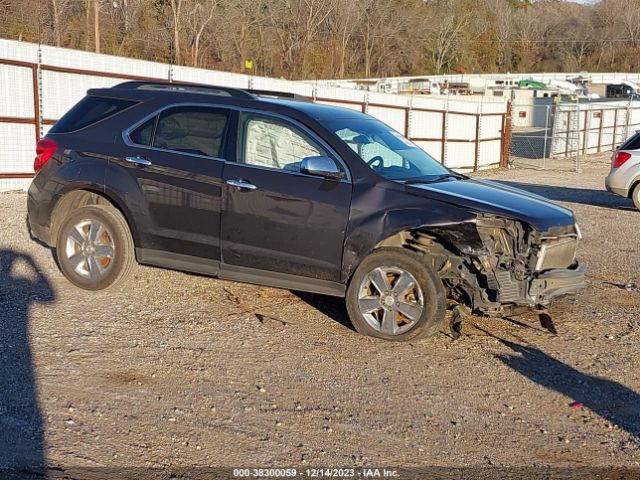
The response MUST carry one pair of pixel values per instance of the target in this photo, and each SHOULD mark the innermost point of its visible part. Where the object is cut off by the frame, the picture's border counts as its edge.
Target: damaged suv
(255, 187)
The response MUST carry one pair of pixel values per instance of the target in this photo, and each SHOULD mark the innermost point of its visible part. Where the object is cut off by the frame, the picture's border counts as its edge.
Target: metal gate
(562, 136)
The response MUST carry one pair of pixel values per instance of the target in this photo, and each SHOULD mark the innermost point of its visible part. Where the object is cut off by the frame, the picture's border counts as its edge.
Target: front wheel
(395, 295)
(94, 247)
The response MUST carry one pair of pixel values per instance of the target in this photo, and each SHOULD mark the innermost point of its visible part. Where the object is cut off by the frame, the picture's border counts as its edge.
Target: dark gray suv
(253, 187)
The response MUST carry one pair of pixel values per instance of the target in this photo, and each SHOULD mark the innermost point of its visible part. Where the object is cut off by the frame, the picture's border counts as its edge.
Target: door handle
(143, 162)
(241, 184)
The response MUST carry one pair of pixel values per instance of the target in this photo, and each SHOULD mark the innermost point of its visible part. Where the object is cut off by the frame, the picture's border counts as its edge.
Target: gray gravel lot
(175, 370)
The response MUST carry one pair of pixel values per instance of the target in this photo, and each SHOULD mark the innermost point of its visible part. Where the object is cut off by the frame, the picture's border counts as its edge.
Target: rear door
(282, 220)
(176, 158)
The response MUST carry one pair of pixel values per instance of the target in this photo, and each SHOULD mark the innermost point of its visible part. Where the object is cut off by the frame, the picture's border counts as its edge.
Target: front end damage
(495, 264)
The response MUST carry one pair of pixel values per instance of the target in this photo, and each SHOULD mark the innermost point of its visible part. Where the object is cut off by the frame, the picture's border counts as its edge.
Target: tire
(94, 248)
(635, 196)
(405, 320)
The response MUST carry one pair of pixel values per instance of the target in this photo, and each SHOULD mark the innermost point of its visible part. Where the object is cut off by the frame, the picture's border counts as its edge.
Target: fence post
(554, 135)
(626, 123)
(37, 95)
(578, 135)
(566, 143)
(546, 136)
(445, 119)
(476, 159)
(506, 136)
(407, 118)
(585, 135)
(600, 130)
(615, 129)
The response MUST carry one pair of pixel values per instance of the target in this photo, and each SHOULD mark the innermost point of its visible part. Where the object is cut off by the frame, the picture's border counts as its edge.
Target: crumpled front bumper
(561, 281)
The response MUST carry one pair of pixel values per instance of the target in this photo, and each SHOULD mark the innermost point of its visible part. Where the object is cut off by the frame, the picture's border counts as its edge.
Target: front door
(276, 218)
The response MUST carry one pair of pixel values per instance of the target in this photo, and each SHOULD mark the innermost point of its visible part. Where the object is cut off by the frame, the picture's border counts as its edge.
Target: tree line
(309, 39)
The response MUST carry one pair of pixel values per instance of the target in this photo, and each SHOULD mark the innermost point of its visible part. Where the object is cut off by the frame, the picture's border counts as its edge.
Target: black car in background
(257, 188)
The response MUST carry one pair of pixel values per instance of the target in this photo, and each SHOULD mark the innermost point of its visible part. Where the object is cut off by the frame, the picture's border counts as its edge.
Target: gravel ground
(177, 371)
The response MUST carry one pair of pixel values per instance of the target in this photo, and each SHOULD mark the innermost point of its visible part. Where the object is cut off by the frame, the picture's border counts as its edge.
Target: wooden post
(506, 137)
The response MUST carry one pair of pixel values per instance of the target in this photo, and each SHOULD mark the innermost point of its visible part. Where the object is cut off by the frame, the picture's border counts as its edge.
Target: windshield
(385, 150)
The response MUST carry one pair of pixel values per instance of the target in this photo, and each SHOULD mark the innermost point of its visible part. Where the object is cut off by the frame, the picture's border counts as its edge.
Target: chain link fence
(560, 136)
(531, 133)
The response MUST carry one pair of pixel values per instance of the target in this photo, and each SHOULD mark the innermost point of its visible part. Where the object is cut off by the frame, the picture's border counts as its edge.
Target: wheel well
(434, 253)
(73, 200)
(415, 240)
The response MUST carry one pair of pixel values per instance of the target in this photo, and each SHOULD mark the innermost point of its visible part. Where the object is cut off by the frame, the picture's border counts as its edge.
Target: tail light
(44, 150)
(620, 158)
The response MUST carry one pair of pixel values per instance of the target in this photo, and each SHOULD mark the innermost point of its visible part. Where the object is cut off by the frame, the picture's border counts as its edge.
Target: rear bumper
(554, 283)
(37, 215)
(38, 232)
(614, 187)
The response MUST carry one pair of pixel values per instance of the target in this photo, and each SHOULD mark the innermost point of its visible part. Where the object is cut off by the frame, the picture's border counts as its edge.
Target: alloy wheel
(390, 300)
(90, 249)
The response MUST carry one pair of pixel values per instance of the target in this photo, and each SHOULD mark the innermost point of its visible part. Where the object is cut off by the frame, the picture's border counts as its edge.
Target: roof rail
(187, 88)
(275, 94)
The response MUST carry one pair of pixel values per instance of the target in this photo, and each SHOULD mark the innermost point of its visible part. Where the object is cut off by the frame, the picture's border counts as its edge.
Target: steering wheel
(377, 159)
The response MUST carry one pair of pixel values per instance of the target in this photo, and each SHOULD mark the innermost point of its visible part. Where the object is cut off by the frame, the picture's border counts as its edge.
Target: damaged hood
(484, 196)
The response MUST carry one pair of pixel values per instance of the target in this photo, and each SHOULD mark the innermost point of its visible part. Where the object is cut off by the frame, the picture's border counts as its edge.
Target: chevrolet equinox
(275, 190)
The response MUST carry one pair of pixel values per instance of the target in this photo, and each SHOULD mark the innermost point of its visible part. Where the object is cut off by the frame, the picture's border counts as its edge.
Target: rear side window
(88, 111)
(195, 130)
(632, 144)
(143, 135)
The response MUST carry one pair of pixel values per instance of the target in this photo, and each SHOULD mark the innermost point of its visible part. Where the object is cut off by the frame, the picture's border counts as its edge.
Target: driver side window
(268, 142)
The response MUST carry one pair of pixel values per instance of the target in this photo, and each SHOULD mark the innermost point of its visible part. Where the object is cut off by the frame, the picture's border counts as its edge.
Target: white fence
(38, 85)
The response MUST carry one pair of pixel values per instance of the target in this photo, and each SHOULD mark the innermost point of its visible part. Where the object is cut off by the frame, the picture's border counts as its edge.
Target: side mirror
(321, 167)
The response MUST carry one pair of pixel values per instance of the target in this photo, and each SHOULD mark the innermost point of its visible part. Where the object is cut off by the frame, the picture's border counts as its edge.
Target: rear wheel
(635, 196)
(94, 247)
(396, 296)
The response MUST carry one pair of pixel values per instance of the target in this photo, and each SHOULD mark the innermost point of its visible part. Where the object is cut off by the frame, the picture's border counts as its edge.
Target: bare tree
(199, 17)
(448, 24)
(342, 38)
(59, 10)
(96, 24)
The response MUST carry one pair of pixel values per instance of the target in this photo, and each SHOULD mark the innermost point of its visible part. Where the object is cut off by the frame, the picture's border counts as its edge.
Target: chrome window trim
(127, 140)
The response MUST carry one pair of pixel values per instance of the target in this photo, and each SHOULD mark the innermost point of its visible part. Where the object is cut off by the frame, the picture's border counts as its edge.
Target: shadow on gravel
(611, 400)
(586, 196)
(21, 428)
(332, 307)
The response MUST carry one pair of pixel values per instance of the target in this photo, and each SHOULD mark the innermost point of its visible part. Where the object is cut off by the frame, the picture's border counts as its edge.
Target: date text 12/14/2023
(315, 473)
